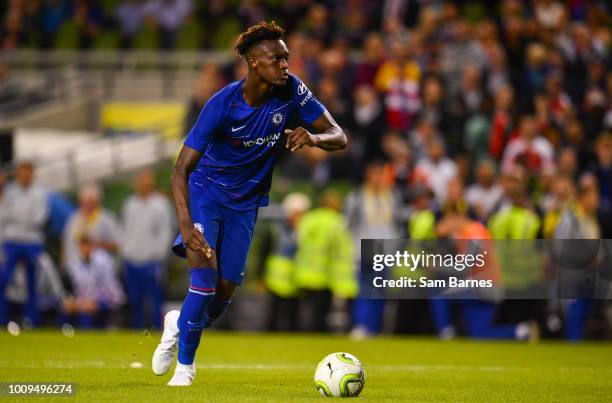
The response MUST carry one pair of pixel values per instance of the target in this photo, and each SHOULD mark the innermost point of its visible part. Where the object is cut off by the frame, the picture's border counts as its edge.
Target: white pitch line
(54, 364)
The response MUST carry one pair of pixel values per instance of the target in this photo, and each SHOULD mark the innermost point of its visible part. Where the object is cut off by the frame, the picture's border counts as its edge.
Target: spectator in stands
(334, 65)
(477, 308)
(455, 201)
(148, 227)
(208, 83)
(580, 222)
(497, 75)
(555, 203)
(574, 138)
(323, 271)
(24, 214)
(49, 289)
(317, 24)
(517, 222)
(550, 14)
(419, 138)
(603, 172)
(458, 51)
(93, 221)
(328, 92)
(12, 31)
(3, 180)
(529, 149)
(433, 105)
(53, 15)
(168, 17)
(277, 264)
(296, 41)
(567, 163)
(516, 218)
(559, 103)
(534, 76)
(470, 100)
(367, 122)
(436, 169)
(373, 57)
(89, 19)
(96, 288)
(398, 78)
(371, 212)
(130, 17)
(398, 172)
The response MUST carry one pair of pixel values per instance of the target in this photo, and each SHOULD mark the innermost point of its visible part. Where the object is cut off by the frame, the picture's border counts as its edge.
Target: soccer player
(223, 175)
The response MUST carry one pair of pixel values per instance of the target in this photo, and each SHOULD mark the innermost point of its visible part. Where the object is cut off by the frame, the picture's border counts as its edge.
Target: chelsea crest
(277, 118)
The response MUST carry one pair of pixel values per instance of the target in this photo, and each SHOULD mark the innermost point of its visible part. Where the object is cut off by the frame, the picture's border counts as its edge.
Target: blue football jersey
(239, 143)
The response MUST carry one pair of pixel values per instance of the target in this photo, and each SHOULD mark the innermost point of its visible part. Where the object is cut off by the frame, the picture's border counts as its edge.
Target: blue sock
(216, 308)
(202, 288)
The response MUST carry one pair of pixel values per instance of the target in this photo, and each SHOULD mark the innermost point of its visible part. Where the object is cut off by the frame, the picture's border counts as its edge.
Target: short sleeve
(208, 122)
(307, 105)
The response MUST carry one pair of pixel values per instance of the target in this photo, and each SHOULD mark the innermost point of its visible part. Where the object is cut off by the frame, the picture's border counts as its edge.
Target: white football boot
(166, 349)
(183, 375)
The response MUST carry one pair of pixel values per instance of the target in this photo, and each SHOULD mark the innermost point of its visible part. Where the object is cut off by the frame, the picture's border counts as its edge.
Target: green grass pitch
(278, 368)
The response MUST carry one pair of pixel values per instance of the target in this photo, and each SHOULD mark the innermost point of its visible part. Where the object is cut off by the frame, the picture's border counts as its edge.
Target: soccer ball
(339, 375)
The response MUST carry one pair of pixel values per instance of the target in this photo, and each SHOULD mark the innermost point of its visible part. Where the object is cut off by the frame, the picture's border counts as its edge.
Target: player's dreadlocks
(257, 33)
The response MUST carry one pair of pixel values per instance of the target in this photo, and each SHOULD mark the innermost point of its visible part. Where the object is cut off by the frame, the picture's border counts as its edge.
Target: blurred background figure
(477, 312)
(148, 228)
(399, 79)
(436, 169)
(3, 182)
(529, 150)
(278, 255)
(96, 288)
(130, 16)
(484, 195)
(91, 220)
(324, 265)
(167, 17)
(579, 221)
(371, 212)
(24, 213)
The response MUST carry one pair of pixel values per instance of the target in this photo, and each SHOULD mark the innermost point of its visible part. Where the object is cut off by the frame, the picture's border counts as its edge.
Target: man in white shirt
(436, 170)
(484, 195)
(24, 214)
(148, 225)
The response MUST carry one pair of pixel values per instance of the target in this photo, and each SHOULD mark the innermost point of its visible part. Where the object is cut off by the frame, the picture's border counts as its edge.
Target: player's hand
(195, 241)
(299, 138)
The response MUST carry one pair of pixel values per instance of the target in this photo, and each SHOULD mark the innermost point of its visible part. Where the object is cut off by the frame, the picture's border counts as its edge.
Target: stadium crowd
(464, 118)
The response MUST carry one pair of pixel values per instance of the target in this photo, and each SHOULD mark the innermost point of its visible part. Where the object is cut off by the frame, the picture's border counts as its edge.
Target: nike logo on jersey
(235, 129)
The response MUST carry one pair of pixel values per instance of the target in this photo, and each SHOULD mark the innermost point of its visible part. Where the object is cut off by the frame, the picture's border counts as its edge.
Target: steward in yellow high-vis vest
(514, 229)
(325, 254)
(279, 265)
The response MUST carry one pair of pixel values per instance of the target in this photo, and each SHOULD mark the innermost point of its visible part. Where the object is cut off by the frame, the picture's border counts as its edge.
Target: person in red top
(501, 126)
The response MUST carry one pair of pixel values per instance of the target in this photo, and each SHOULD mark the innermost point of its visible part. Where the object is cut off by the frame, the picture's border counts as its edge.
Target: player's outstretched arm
(187, 160)
(330, 138)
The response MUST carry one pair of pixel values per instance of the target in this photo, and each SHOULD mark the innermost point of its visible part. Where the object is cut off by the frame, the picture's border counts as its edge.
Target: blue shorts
(229, 232)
